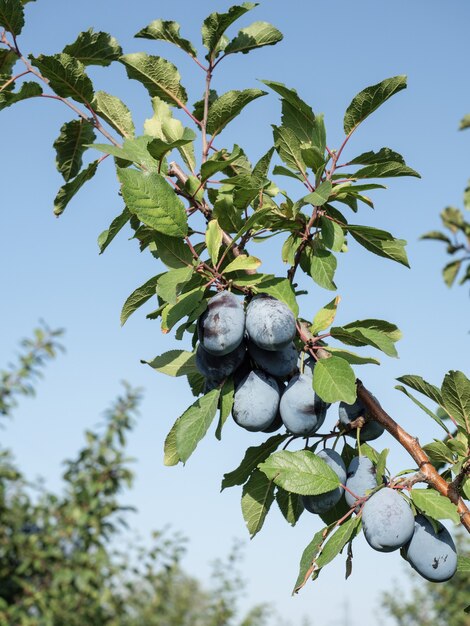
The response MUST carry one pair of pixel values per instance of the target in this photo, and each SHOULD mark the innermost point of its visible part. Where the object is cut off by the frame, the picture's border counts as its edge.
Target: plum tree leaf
(116, 225)
(174, 363)
(337, 541)
(152, 200)
(160, 77)
(320, 264)
(186, 304)
(70, 146)
(435, 505)
(384, 155)
(254, 36)
(213, 240)
(438, 452)
(169, 31)
(225, 108)
(388, 169)
(279, 288)
(66, 76)
(300, 472)
(171, 283)
(370, 99)
(289, 149)
(242, 262)
(216, 24)
(132, 150)
(308, 556)
(380, 242)
(290, 505)
(450, 271)
(170, 451)
(332, 234)
(351, 357)
(172, 251)
(27, 90)
(325, 316)
(334, 380)
(463, 565)
(456, 397)
(12, 16)
(115, 113)
(67, 191)
(226, 404)
(377, 333)
(94, 48)
(254, 455)
(291, 96)
(419, 384)
(139, 297)
(194, 423)
(320, 195)
(431, 414)
(257, 497)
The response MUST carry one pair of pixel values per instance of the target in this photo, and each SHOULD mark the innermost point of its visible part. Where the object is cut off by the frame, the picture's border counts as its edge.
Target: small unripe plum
(219, 367)
(387, 520)
(256, 401)
(270, 323)
(323, 502)
(361, 478)
(350, 412)
(222, 325)
(302, 411)
(278, 363)
(432, 554)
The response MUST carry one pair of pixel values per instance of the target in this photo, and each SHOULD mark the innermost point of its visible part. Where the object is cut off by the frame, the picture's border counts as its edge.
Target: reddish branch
(412, 446)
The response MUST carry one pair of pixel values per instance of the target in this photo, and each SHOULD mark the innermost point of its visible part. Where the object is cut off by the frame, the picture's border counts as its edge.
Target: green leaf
(115, 113)
(465, 122)
(291, 96)
(377, 333)
(116, 225)
(332, 234)
(94, 48)
(380, 242)
(320, 264)
(456, 397)
(226, 404)
(308, 557)
(384, 155)
(290, 505)
(154, 202)
(66, 75)
(450, 271)
(279, 288)
(257, 497)
(171, 283)
(12, 16)
(158, 148)
(139, 297)
(435, 505)
(253, 457)
(390, 169)
(216, 24)
(167, 31)
(419, 384)
(194, 423)
(70, 146)
(438, 452)
(132, 150)
(67, 191)
(219, 162)
(334, 380)
(288, 148)
(437, 236)
(300, 472)
(432, 415)
(27, 90)
(325, 316)
(381, 466)
(254, 36)
(242, 262)
(463, 565)
(174, 363)
(8, 60)
(171, 456)
(213, 240)
(157, 75)
(352, 357)
(172, 251)
(228, 106)
(370, 99)
(320, 195)
(187, 303)
(336, 543)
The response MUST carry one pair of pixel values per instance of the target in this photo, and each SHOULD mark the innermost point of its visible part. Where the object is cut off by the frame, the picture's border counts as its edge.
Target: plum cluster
(256, 346)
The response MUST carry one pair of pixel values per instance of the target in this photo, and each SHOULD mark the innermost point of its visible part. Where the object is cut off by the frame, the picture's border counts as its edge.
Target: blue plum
(361, 478)
(326, 501)
(270, 323)
(432, 554)
(302, 411)
(221, 327)
(350, 412)
(278, 363)
(387, 520)
(219, 367)
(256, 401)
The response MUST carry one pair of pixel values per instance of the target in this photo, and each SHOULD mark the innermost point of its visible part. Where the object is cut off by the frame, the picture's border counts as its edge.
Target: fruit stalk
(411, 445)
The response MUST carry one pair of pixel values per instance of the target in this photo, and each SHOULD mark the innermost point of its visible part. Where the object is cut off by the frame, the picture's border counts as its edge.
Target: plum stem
(412, 446)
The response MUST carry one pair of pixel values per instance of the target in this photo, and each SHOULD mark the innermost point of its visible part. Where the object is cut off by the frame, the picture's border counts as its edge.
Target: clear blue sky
(51, 268)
